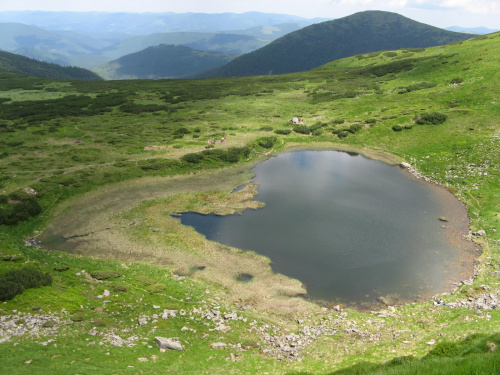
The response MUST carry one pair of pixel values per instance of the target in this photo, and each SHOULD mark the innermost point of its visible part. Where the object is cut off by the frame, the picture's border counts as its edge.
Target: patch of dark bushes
(18, 206)
(105, 274)
(456, 81)
(392, 67)
(156, 164)
(283, 131)
(15, 282)
(136, 109)
(430, 118)
(416, 87)
(231, 155)
(266, 142)
(302, 129)
(267, 128)
(338, 121)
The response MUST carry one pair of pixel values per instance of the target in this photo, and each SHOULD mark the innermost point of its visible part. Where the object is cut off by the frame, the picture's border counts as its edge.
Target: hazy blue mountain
(43, 55)
(12, 63)
(472, 30)
(321, 43)
(225, 43)
(163, 61)
(270, 32)
(16, 36)
(148, 23)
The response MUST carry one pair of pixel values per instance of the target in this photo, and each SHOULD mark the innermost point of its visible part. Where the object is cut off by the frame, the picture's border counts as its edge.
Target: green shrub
(338, 121)
(456, 81)
(28, 277)
(120, 288)
(283, 131)
(397, 128)
(105, 274)
(431, 118)
(302, 129)
(266, 142)
(193, 158)
(144, 280)
(390, 54)
(371, 121)
(9, 289)
(16, 281)
(18, 206)
(445, 349)
(156, 288)
(343, 134)
(354, 128)
(267, 128)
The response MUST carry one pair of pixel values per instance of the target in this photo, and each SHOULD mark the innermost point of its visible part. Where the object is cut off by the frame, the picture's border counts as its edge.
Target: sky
(440, 13)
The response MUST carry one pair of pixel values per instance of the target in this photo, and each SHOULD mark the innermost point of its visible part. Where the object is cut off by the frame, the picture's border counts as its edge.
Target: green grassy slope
(74, 141)
(12, 63)
(163, 61)
(318, 44)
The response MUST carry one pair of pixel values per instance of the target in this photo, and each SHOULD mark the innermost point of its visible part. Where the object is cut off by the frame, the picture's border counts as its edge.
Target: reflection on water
(350, 228)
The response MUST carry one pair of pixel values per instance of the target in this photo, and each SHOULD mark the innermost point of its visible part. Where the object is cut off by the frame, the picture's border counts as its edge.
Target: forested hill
(321, 43)
(163, 61)
(12, 63)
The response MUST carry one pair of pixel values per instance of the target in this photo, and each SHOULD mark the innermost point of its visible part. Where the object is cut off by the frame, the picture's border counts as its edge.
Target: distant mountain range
(163, 61)
(102, 23)
(321, 43)
(73, 48)
(472, 30)
(12, 63)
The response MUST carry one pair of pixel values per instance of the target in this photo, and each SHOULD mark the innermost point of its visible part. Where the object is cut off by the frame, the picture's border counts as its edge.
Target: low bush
(266, 142)
(18, 206)
(354, 128)
(302, 129)
(338, 121)
(144, 280)
(16, 281)
(397, 128)
(156, 288)
(105, 274)
(9, 289)
(456, 81)
(283, 131)
(431, 118)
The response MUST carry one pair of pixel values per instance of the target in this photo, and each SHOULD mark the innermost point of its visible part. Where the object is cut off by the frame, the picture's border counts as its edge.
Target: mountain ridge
(318, 44)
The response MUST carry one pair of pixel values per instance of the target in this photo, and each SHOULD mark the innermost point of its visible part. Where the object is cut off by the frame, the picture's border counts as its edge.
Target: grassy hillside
(108, 162)
(12, 63)
(318, 44)
(163, 61)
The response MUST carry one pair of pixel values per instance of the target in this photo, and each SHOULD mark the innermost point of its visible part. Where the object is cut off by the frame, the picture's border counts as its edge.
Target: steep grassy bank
(76, 144)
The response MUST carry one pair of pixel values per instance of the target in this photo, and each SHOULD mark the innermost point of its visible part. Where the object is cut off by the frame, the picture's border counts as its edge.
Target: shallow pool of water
(350, 228)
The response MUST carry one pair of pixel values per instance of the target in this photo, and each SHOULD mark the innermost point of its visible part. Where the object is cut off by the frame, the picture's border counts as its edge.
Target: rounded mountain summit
(324, 42)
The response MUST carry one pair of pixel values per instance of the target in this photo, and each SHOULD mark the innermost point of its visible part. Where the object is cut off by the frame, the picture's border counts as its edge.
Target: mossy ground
(88, 161)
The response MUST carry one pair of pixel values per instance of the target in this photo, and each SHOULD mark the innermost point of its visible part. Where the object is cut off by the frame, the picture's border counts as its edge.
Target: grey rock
(165, 343)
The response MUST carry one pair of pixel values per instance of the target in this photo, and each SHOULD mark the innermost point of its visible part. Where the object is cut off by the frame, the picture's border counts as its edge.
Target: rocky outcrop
(165, 343)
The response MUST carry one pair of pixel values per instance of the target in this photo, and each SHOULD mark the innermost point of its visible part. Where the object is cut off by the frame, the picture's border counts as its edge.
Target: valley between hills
(91, 172)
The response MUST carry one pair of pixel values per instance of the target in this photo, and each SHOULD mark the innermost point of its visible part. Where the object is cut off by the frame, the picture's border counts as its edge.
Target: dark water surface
(350, 228)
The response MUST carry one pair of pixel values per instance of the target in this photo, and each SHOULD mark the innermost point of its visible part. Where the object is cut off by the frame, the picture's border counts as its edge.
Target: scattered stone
(142, 359)
(217, 345)
(165, 343)
(479, 233)
(169, 314)
(106, 293)
(442, 218)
